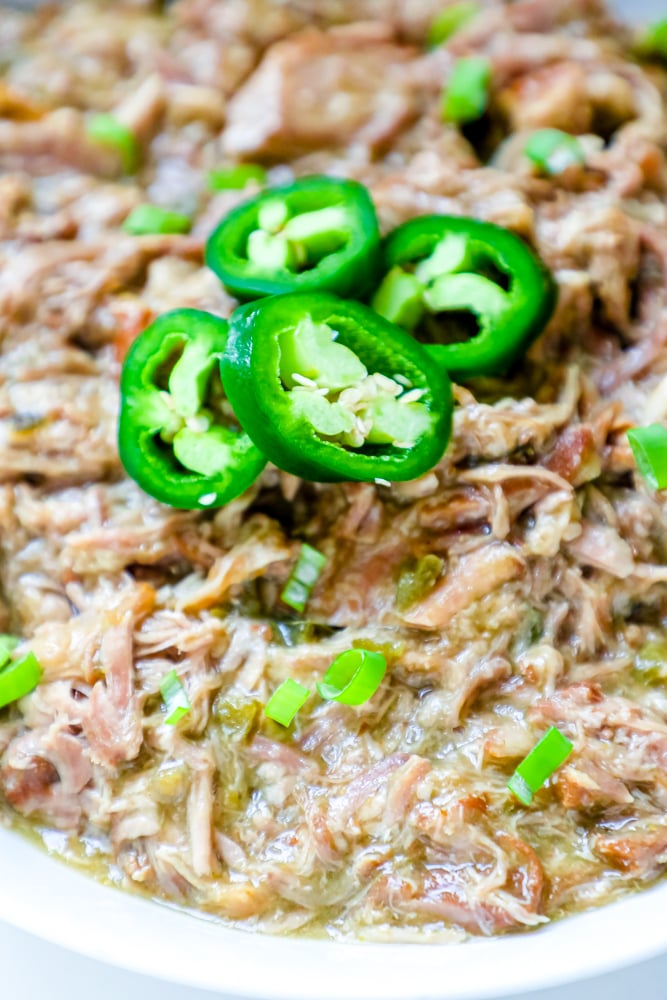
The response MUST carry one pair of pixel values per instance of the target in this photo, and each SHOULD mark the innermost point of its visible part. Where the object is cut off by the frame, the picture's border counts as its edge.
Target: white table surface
(34, 970)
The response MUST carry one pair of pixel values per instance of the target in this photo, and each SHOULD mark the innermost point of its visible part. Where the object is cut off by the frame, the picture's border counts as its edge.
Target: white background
(33, 970)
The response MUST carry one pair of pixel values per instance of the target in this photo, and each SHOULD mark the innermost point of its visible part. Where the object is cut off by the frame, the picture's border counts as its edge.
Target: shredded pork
(381, 820)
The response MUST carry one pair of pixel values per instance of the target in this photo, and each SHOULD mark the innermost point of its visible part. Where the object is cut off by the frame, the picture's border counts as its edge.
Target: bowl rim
(46, 898)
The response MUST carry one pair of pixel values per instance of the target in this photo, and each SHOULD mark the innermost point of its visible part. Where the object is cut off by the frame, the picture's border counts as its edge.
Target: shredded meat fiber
(392, 819)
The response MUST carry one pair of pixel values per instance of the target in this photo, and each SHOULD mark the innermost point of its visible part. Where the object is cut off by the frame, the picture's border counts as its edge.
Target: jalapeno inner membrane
(333, 390)
(188, 410)
(449, 296)
(285, 240)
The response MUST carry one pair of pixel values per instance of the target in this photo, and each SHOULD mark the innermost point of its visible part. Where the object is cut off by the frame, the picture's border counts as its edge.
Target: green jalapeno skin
(267, 410)
(158, 400)
(344, 253)
(511, 314)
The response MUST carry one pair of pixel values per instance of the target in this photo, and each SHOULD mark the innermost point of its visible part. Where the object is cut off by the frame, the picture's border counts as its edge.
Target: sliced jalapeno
(331, 391)
(318, 234)
(178, 437)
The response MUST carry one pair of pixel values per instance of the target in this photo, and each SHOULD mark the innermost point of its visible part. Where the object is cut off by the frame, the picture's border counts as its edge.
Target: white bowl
(41, 895)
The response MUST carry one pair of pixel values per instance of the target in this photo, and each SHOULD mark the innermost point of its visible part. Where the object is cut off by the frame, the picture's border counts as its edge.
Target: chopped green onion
(649, 446)
(286, 701)
(106, 130)
(175, 698)
(546, 757)
(236, 178)
(18, 678)
(146, 219)
(466, 96)
(353, 677)
(8, 644)
(553, 151)
(303, 577)
(653, 42)
(450, 20)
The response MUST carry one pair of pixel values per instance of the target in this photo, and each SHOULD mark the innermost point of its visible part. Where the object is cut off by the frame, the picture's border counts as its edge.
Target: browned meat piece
(599, 236)
(263, 545)
(601, 546)
(620, 737)
(269, 751)
(456, 895)
(571, 96)
(71, 649)
(14, 197)
(259, 22)
(29, 787)
(61, 429)
(200, 807)
(465, 508)
(638, 849)
(17, 107)
(56, 141)
(551, 97)
(587, 786)
(187, 103)
(444, 181)
(142, 111)
(44, 772)
(343, 807)
(323, 89)
(496, 431)
(80, 275)
(575, 456)
(159, 539)
(482, 571)
(638, 359)
(262, 22)
(536, 15)
(402, 789)
(114, 723)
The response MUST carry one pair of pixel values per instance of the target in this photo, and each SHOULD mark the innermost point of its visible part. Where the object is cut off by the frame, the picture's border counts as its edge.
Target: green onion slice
(553, 151)
(18, 678)
(286, 701)
(353, 677)
(450, 20)
(546, 757)
(146, 219)
(236, 178)
(653, 42)
(466, 96)
(303, 577)
(649, 446)
(106, 130)
(175, 698)
(8, 644)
